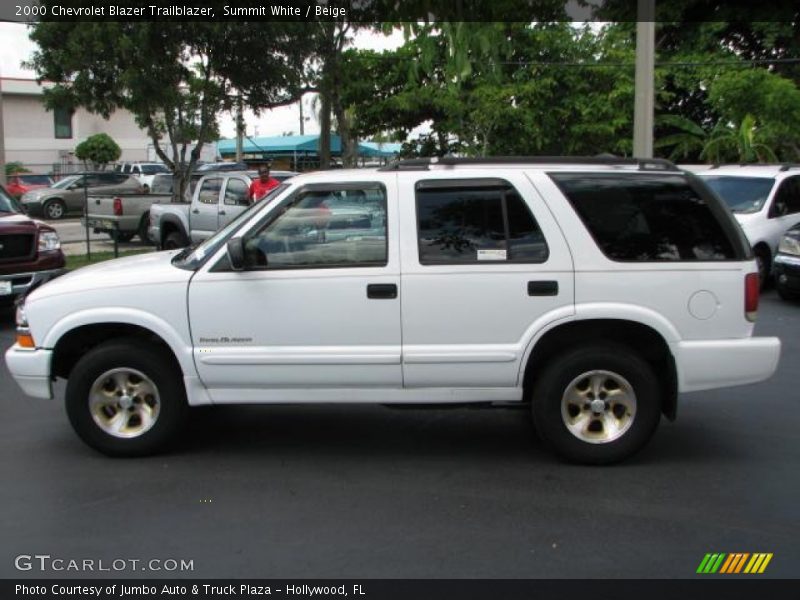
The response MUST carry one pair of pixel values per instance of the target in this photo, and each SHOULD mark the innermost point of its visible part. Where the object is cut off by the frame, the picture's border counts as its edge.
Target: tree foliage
(99, 149)
(175, 78)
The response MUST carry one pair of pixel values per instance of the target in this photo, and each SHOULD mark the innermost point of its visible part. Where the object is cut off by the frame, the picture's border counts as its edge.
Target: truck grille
(16, 245)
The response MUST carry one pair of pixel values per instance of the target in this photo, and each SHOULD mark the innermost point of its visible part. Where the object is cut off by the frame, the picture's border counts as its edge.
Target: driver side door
(315, 313)
(234, 200)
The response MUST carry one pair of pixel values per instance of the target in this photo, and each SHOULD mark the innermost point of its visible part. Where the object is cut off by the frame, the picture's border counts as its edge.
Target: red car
(30, 251)
(20, 183)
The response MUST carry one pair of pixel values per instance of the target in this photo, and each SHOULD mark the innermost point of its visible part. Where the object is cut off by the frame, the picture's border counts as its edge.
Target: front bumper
(22, 282)
(706, 365)
(786, 269)
(32, 208)
(31, 370)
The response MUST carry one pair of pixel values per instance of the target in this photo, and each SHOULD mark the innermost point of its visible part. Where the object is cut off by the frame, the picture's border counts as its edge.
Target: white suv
(143, 171)
(592, 290)
(765, 199)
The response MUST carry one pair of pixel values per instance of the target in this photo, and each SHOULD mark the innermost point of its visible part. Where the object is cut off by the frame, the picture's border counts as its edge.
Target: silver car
(67, 196)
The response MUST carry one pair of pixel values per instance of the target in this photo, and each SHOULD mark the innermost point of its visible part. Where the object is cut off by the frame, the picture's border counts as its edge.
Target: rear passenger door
(484, 267)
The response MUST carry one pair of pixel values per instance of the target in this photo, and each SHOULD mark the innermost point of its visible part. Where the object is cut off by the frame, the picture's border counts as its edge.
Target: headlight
(48, 240)
(22, 318)
(789, 245)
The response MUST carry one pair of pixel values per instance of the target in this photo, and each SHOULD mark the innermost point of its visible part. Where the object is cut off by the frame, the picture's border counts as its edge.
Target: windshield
(66, 182)
(741, 194)
(151, 169)
(191, 258)
(7, 205)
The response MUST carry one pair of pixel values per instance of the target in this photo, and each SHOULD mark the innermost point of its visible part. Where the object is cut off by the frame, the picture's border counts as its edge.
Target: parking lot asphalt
(374, 492)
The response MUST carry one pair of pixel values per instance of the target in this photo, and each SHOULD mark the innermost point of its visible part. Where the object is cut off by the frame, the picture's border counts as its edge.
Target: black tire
(787, 294)
(175, 240)
(54, 209)
(144, 235)
(121, 236)
(764, 262)
(557, 376)
(152, 362)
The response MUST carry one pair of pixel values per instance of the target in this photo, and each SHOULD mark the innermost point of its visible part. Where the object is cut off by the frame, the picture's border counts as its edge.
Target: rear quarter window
(651, 218)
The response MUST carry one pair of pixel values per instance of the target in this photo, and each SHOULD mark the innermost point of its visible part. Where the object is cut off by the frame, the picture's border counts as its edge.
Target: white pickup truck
(218, 197)
(591, 291)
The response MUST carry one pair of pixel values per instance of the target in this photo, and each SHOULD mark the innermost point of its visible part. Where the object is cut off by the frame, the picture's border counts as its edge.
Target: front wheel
(126, 398)
(786, 294)
(596, 405)
(54, 209)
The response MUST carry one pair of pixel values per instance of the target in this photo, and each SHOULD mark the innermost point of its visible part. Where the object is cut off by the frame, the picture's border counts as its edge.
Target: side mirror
(235, 250)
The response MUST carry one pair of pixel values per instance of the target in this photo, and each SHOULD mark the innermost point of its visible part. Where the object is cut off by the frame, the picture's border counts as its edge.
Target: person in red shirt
(261, 186)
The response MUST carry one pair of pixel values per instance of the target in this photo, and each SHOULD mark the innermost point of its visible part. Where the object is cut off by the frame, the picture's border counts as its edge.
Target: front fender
(181, 348)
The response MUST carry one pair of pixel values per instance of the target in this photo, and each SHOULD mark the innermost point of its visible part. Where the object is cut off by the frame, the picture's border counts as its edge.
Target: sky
(15, 47)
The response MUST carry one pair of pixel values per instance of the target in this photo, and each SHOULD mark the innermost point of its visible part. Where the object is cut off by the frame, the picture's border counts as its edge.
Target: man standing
(261, 186)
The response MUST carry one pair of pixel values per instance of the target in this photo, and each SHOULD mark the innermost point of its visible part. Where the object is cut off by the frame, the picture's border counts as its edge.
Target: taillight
(117, 207)
(752, 284)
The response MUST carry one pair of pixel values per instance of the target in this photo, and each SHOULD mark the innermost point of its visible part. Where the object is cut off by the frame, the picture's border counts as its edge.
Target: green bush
(99, 149)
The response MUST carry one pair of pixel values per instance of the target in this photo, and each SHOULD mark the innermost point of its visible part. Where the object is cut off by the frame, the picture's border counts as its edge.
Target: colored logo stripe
(758, 563)
(710, 563)
(734, 563)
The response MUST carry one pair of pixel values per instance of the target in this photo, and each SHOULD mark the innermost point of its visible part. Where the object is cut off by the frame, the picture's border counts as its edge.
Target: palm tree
(689, 139)
(744, 142)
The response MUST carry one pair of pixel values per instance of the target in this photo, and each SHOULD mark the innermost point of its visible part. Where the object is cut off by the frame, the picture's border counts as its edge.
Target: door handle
(382, 291)
(196, 211)
(542, 288)
(222, 212)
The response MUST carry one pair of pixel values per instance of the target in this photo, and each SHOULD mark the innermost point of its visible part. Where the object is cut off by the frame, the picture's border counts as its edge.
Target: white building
(45, 141)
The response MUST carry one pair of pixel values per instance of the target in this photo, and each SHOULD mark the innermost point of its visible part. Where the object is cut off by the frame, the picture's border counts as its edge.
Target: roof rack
(424, 164)
(782, 166)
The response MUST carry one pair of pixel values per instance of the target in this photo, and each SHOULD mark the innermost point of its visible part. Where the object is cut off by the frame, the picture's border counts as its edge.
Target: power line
(616, 65)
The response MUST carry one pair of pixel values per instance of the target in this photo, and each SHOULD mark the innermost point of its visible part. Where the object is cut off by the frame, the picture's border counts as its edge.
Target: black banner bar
(374, 11)
(730, 588)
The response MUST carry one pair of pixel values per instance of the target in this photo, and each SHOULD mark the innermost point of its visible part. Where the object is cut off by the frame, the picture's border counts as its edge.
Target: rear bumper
(706, 365)
(31, 370)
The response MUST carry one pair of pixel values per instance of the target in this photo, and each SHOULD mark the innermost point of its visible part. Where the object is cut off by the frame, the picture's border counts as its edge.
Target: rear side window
(647, 218)
(467, 222)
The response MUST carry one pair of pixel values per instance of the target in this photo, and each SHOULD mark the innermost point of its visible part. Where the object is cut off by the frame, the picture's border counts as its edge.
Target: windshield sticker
(492, 254)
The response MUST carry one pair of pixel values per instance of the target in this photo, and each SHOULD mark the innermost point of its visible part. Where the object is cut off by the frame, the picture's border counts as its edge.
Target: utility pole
(644, 94)
(2, 139)
(239, 129)
(302, 120)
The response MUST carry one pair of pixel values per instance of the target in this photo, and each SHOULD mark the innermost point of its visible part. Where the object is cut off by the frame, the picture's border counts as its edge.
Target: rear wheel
(175, 240)
(125, 398)
(54, 209)
(596, 405)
